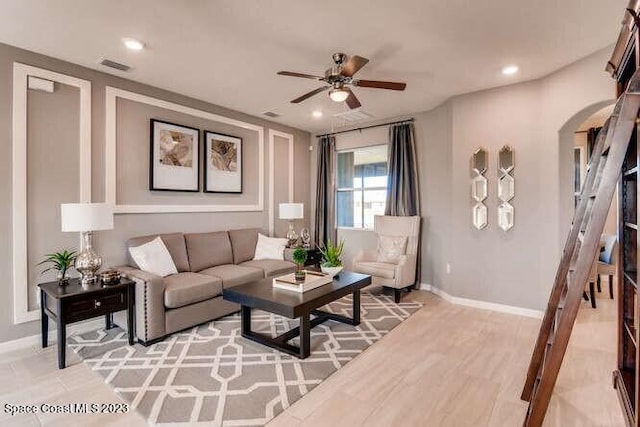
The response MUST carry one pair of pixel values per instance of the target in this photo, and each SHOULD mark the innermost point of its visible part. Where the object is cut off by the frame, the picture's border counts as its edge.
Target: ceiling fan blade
(353, 65)
(304, 76)
(310, 94)
(380, 85)
(351, 100)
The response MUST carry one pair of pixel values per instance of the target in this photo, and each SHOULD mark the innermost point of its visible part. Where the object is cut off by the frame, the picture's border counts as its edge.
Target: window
(362, 186)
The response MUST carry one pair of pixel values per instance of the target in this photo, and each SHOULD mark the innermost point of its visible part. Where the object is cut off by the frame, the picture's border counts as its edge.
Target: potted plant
(62, 262)
(300, 257)
(332, 258)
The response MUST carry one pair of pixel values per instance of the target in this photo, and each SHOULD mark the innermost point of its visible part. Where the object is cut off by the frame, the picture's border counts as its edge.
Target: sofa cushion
(243, 243)
(187, 288)
(377, 268)
(271, 267)
(175, 245)
(154, 258)
(233, 275)
(208, 249)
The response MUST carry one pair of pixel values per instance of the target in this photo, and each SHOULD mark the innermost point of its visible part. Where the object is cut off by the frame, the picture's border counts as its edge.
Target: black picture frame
(234, 184)
(164, 176)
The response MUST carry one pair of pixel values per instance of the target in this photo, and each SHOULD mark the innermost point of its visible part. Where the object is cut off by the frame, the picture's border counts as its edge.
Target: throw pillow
(154, 257)
(270, 247)
(391, 248)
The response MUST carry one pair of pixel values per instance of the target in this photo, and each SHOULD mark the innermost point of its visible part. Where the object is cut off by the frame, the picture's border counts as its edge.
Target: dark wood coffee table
(262, 295)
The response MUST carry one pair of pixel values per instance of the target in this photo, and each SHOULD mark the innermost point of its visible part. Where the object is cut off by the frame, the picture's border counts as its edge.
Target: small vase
(63, 279)
(300, 275)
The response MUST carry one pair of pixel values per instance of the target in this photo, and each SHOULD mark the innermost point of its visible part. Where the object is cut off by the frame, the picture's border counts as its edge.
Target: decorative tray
(312, 280)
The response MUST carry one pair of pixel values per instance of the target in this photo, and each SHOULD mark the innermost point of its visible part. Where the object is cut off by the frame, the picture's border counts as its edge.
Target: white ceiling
(228, 52)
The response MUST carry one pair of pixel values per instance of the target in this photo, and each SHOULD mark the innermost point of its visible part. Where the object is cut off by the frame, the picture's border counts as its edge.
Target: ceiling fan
(340, 78)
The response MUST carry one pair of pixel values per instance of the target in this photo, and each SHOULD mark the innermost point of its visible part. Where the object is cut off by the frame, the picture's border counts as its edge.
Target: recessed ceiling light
(317, 114)
(133, 44)
(510, 70)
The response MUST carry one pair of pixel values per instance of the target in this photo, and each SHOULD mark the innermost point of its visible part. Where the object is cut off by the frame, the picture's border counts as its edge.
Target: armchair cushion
(391, 248)
(187, 288)
(609, 242)
(377, 268)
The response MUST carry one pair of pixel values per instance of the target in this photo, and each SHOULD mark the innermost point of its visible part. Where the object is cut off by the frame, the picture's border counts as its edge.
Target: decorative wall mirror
(479, 188)
(479, 161)
(506, 188)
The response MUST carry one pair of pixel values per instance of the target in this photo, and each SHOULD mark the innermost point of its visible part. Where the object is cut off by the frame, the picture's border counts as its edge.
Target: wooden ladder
(581, 247)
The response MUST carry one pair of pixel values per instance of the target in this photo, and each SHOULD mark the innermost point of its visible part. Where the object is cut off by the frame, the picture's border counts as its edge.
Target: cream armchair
(393, 263)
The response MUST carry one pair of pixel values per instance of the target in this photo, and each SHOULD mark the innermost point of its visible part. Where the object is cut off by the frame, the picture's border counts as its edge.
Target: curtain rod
(366, 127)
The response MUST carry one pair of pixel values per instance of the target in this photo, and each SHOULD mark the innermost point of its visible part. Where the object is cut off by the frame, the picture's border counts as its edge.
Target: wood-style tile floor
(447, 365)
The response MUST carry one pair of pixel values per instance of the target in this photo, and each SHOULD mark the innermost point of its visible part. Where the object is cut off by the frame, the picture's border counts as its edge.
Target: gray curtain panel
(403, 192)
(325, 214)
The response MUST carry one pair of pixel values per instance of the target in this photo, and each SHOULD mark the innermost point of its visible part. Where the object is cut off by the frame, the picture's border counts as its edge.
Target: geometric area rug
(210, 376)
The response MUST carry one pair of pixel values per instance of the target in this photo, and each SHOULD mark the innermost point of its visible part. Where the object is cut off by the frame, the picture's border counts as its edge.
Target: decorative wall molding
(112, 94)
(21, 72)
(272, 140)
(484, 305)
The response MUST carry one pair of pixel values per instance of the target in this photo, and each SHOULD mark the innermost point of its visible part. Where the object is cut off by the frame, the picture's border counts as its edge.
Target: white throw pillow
(270, 247)
(391, 248)
(154, 257)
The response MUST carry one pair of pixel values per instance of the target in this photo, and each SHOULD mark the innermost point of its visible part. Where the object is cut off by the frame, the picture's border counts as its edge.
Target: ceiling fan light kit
(338, 95)
(339, 77)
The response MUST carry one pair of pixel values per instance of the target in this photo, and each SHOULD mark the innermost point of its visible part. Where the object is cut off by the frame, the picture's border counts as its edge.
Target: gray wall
(535, 118)
(53, 160)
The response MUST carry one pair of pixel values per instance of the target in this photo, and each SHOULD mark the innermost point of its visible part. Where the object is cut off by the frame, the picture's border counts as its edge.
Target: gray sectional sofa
(207, 263)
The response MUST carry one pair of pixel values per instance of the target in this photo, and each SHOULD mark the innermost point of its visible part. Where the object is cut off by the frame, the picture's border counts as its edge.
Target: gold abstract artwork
(224, 156)
(176, 148)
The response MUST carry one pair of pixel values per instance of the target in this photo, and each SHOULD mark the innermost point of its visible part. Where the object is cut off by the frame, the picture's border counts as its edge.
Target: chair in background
(607, 264)
(393, 263)
(593, 278)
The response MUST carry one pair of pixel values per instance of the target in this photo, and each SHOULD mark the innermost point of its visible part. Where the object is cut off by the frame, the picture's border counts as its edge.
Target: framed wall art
(222, 163)
(175, 163)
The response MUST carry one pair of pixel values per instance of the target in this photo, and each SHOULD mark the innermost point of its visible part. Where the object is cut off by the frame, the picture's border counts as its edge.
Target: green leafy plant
(60, 261)
(331, 255)
(299, 256)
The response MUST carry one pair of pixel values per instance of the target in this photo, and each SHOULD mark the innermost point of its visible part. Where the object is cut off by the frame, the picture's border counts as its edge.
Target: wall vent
(354, 116)
(271, 114)
(113, 64)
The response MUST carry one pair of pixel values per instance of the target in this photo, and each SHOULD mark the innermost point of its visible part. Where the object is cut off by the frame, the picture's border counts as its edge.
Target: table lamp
(291, 211)
(86, 218)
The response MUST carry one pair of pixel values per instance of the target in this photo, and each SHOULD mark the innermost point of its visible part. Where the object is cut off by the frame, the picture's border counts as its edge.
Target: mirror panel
(479, 161)
(479, 188)
(505, 216)
(506, 188)
(480, 218)
(505, 159)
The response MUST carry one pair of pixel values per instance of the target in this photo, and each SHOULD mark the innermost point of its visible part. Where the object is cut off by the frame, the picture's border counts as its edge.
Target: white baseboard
(35, 340)
(484, 305)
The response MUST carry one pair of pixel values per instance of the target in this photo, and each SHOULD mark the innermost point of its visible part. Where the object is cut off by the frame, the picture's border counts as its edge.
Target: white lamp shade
(291, 210)
(86, 216)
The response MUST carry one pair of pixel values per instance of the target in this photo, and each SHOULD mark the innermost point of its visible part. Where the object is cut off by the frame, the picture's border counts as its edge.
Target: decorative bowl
(110, 277)
(333, 271)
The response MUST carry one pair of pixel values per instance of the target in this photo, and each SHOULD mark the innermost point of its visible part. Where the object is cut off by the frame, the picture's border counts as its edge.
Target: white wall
(537, 119)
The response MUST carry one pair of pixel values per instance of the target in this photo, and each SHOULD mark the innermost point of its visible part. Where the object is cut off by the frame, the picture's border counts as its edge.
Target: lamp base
(292, 236)
(88, 262)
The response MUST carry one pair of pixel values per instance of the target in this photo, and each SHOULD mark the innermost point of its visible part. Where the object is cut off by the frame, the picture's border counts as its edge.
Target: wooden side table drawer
(86, 308)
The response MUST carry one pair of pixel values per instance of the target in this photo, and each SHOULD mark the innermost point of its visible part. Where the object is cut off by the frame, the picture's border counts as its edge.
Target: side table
(73, 303)
(314, 256)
